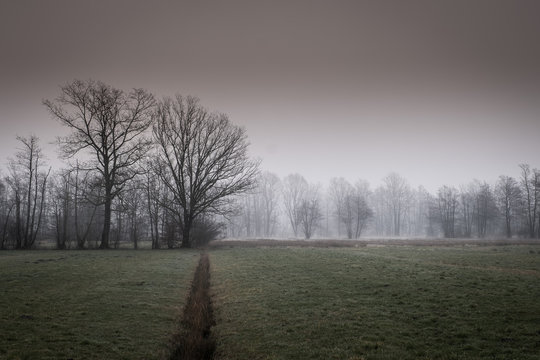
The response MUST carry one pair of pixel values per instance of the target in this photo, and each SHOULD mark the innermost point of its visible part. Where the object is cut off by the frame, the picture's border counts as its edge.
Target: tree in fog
(420, 212)
(6, 208)
(530, 184)
(485, 209)
(29, 184)
(108, 122)
(87, 195)
(153, 193)
(269, 187)
(61, 204)
(361, 210)
(508, 196)
(309, 211)
(351, 205)
(294, 189)
(202, 159)
(447, 203)
(133, 204)
(340, 191)
(397, 197)
(467, 205)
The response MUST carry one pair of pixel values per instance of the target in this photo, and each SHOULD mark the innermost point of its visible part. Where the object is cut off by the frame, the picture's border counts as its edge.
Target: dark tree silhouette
(202, 159)
(109, 123)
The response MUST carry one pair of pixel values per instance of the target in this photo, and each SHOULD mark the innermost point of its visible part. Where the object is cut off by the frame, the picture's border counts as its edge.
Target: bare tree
(361, 210)
(29, 184)
(269, 187)
(339, 191)
(203, 159)
(397, 196)
(154, 191)
(109, 123)
(351, 205)
(61, 201)
(447, 202)
(508, 195)
(484, 208)
(467, 196)
(530, 183)
(309, 211)
(86, 199)
(6, 208)
(294, 189)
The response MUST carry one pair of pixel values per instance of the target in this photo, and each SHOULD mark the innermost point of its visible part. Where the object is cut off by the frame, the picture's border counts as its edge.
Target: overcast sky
(441, 92)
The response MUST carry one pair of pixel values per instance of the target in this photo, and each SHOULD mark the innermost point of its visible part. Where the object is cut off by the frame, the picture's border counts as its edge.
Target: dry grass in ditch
(194, 340)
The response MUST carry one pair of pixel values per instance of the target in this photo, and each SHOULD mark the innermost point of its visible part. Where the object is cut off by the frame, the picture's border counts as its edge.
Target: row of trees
(138, 168)
(174, 174)
(291, 207)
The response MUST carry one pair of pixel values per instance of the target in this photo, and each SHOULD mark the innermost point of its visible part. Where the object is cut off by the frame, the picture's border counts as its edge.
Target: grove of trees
(169, 173)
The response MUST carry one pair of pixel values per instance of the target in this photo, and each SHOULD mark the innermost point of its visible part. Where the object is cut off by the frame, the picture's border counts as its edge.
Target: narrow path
(195, 341)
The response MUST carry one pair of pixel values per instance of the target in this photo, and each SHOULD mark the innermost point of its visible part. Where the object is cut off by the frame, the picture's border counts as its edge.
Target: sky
(441, 92)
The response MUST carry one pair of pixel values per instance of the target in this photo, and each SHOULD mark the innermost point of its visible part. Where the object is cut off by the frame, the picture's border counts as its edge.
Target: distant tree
(6, 208)
(340, 191)
(29, 184)
(309, 211)
(133, 205)
(467, 204)
(61, 203)
(360, 207)
(351, 205)
(397, 193)
(87, 194)
(530, 187)
(154, 190)
(109, 123)
(420, 211)
(447, 202)
(485, 208)
(508, 196)
(203, 159)
(269, 187)
(294, 189)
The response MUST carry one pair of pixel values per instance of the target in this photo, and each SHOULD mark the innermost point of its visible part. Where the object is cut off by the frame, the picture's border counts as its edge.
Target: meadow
(92, 304)
(276, 302)
(389, 302)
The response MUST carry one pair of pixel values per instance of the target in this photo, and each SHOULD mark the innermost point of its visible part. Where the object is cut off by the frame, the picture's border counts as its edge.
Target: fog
(439, 92)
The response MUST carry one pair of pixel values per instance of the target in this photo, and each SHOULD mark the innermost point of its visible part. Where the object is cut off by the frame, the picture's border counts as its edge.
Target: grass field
(277, 302)
(91, 304)
(391, 302)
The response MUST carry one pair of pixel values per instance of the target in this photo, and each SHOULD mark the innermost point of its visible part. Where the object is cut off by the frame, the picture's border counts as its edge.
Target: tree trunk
(4, 231)
(106, 220)
(18, 226)
(186, 231)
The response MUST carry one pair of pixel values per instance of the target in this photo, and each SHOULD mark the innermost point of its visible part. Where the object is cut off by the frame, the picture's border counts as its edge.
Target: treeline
(291, 207)
(140, 169)
(65, 208)
(169, 173)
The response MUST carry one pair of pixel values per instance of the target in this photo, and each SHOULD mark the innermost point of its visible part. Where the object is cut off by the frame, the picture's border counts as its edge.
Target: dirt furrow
(194, 340)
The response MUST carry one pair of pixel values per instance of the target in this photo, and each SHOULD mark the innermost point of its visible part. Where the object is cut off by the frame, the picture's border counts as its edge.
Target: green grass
(377, 303)
(91, 304)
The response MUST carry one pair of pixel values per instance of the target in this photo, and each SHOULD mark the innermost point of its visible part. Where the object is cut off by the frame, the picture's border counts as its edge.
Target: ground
(369, 301)
(91, 304)
(389, 302)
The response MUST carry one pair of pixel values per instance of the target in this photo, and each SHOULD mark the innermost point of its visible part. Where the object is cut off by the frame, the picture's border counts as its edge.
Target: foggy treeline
(292, 207)
(167, 173)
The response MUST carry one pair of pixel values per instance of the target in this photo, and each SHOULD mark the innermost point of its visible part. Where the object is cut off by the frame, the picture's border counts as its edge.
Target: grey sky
(440, 91)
